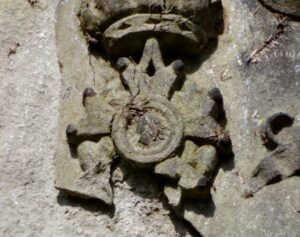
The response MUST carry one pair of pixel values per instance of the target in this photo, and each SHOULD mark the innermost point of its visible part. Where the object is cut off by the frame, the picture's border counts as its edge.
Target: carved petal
(95, 160)
(171, 168)
(150, 76)
(174, 195)
(198, 110)
(202, 128)
(88, 129)
(94, 124)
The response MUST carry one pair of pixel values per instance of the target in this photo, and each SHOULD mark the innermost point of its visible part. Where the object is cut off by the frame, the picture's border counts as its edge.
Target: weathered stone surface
(193, 170)
(171, 29)
(96, 16)
(284, 160)
(174, 195)
(95, 160)
(161, 115)
(157, 118)
(253, 216)
(255, 64)
(287, 7)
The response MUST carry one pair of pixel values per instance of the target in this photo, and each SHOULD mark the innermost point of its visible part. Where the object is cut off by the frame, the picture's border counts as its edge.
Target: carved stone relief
(282, 139)
(156, 119)
(131, 96)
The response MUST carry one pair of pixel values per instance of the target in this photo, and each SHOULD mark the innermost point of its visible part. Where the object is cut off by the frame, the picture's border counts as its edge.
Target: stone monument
(128, 97)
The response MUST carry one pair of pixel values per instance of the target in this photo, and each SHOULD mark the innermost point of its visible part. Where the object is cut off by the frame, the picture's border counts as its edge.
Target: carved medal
(149, 114)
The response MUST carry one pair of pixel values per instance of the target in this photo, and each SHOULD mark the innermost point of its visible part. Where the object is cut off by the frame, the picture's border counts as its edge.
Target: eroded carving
(122, 29)
(152, 124)
(283, 141)
(158, 120)
(149, 129)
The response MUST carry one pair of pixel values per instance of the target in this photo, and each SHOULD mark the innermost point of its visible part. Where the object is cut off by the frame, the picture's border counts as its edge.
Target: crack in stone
(93, 69)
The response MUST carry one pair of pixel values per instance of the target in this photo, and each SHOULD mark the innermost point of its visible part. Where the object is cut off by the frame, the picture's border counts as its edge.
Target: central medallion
(148, 131)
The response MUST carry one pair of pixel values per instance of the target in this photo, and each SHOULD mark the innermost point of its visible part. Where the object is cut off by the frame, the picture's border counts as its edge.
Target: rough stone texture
(288, 7)
(162, 114)
(30, 91)
(97, 15)
(284, 146)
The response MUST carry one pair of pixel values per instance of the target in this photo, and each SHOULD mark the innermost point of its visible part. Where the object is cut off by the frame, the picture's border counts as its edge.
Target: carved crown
(115, 24)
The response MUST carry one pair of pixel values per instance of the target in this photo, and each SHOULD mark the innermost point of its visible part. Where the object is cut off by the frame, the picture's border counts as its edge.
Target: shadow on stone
(227, 163)
(204, 208)
(146, 184)
(194, 63)
(182, 226)
(91, 205)
(194, 211)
